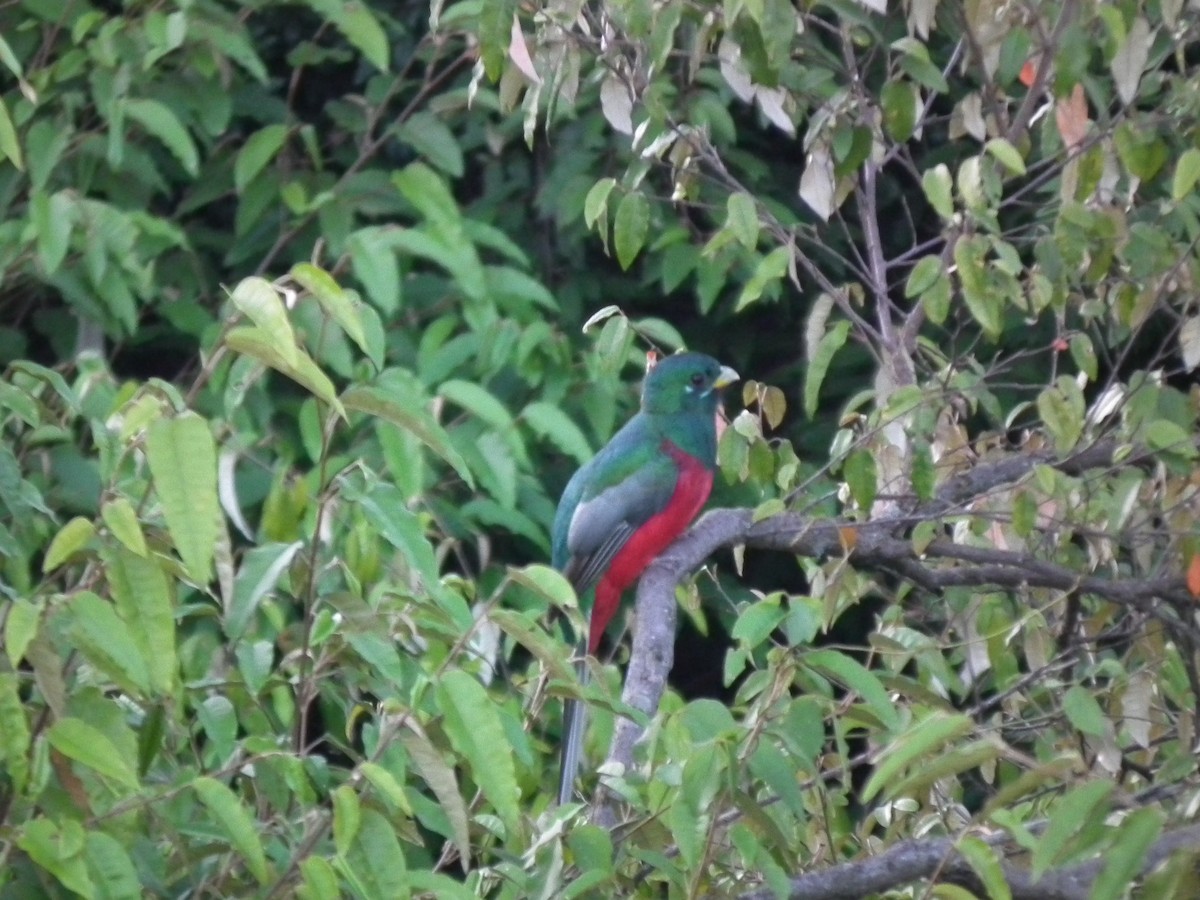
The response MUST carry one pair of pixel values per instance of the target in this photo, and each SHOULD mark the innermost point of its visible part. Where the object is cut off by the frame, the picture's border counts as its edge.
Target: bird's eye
(698, 378)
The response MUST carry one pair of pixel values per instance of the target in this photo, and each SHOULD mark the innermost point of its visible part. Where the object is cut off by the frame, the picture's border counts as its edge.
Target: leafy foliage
(292, 375)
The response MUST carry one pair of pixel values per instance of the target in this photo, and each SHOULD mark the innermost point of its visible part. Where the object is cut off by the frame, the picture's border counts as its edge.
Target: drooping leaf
(183, 461)
(237, 823)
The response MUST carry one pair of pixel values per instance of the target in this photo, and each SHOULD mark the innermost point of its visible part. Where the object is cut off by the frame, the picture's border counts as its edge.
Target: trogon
(631, 500)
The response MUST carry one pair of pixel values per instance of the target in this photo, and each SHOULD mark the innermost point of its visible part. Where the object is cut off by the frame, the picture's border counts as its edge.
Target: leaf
(160, 120)
(14, 731)
(258, 299)
(121, 519)
(237, 823)
(356, 21)
(1084, 711)
(416, 420)
(1062, 409)
(770, 268)
(818, 365)
(818, 183)
(258, 150)
(921, 738)
(340, 305)
(475, 731)
(495, 31)
(71, 538)
(594, 205)
(20, 628)
(937, 184)
(1187, 173)
(53, 219)
(983, 302)
(183, 462)
(861, 477)
(259, 573)
(1126, 858)
(986, 865)
(900, 103)
(440, 778)
(630, 226)
(1071, 116)
(526, 632)
(616, 103)
(259, 345)
(143, 599)
(1081, 806)
(111, 868)
(852, 675)
(91, 747)
(1008, 155)
(742, 218)
(107, 642)
(550, 422)
(1130, 60)
(429, 135)
(58, 849)
(374, 263)
(374, 863)
(10, 146)
(1165, 435)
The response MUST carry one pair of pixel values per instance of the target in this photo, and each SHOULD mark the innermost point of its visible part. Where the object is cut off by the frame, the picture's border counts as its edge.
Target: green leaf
(160, 121)
(91, 747)
(852, 675)
(983, 301)
(527, 633)
(986, 865)
(260, 148)
(920, 739)
(107, 642)
(347, 817)
(432, 767)
(386, 784)
(495, 28)
(183, 462)
(237, 823)
(71, 538)
(831, 342)
(356, 21)
(374, 863)
(14, 731)
(53, 219)
(258, 299)
(937, 184)
(143, 599)
(900, 103)
(1084, 712)
(340, 305)
(1187, 173)
(20, 628)
(10, 146)
(861, 477)
(630, 227)
(111, 869)
(742, 219)
(414, 419)
(429, 135)
(257, 576)
(1008, 155)
(1166, 436)
(596, 202)
(770, 268)
(58, 848)
(1062, 408)
(1126, 858)
(1081, 807)
(373, 260)
(121, 518)
(550, 422)
(257, 344)
(475, 731)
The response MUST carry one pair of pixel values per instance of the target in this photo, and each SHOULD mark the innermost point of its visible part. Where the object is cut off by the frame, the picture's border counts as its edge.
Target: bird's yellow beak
(727, 377)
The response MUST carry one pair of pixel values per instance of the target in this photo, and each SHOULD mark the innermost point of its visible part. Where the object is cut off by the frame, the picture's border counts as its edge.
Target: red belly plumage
(654, 536)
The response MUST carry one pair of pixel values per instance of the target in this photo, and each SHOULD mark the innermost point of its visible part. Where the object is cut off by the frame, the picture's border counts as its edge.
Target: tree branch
(938, 858)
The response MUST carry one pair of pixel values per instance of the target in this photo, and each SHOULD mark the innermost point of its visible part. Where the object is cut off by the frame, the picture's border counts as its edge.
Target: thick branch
(914, 860)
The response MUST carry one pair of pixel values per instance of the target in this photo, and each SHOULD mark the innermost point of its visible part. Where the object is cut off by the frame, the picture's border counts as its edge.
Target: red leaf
(1028, 73)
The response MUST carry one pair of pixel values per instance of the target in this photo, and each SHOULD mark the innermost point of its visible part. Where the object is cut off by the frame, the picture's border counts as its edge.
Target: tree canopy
(309, 310)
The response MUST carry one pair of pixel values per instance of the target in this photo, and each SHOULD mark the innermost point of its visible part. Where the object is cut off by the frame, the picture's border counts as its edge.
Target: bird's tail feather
(574, 722)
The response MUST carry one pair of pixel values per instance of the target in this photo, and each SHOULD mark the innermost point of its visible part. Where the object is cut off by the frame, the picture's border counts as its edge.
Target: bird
(627, 504)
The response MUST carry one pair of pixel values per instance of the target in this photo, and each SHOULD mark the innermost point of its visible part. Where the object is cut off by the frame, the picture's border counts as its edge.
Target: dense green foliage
(308, 311)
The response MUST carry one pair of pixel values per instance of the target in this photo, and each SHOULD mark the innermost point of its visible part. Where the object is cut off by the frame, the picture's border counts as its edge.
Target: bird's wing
(609, 512)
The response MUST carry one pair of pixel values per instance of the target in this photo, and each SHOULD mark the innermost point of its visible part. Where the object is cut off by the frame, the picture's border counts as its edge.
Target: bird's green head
(685, 382)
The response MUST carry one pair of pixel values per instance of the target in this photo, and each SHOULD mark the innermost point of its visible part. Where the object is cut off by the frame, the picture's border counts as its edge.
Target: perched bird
(630, 501)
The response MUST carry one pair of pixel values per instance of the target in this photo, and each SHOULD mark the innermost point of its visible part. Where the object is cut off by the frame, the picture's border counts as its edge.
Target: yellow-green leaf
(259, 300)
(341, 305)
(239, 826)
(183, 461)
(90, 746)
(142, 595)
(255, 343)
(121, 518)
(70, 539)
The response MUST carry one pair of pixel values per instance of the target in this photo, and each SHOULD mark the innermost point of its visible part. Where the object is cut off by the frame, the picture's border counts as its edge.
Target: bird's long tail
(574, 721)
